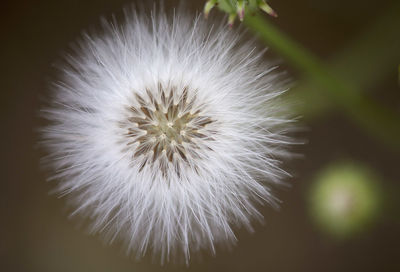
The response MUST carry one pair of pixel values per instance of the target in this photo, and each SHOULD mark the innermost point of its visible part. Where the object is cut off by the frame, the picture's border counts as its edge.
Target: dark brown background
(36, 234)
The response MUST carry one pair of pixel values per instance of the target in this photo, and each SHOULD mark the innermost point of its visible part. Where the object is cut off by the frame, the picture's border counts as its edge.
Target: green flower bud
(208, 6)
(266, 8)
(345, 199)
(238, 8)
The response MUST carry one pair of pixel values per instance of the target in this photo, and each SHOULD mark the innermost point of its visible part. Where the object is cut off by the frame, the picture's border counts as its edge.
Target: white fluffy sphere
(166, 132)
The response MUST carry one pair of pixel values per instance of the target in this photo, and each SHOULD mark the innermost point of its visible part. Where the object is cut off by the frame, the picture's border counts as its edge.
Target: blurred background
(341, 212)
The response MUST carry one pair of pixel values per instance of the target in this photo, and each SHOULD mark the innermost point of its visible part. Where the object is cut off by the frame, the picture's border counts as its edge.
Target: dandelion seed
(165, 132)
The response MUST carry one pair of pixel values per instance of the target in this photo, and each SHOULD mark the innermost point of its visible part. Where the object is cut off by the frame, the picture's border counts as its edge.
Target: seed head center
(167, 128)
(163, 125)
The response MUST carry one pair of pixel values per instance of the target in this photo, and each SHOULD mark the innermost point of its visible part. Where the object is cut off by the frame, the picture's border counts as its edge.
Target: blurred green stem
(367, 59)
(374, 117)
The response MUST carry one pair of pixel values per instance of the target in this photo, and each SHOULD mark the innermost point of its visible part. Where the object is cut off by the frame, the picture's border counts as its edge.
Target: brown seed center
(164, 125)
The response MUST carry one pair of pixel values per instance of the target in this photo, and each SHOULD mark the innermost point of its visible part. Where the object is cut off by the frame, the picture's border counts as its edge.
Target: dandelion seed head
(166, 132)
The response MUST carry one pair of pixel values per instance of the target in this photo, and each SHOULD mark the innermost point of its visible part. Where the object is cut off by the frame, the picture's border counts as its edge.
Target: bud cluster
(238, 8)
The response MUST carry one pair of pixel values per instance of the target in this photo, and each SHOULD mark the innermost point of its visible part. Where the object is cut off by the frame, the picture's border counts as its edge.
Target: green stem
(375, 118)
(363, 62)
